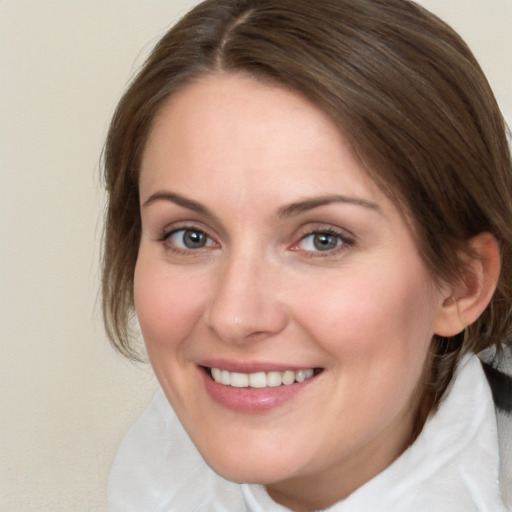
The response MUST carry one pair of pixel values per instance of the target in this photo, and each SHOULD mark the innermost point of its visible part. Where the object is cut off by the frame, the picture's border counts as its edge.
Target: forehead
(235, 130)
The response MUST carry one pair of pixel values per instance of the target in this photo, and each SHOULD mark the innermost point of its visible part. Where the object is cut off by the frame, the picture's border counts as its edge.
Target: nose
(244, 306)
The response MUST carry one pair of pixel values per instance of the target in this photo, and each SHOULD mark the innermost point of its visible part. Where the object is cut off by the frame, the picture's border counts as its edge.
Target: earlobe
(468, 298)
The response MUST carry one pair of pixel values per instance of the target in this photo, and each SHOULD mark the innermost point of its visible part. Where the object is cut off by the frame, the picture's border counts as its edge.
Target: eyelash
(167, 235)
(345, 242)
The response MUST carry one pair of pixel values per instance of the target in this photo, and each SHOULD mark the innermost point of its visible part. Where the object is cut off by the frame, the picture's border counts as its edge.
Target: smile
(260, 380)
(252, 390)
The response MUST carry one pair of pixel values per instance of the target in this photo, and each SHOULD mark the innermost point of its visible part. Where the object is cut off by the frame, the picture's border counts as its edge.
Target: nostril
(242, 307)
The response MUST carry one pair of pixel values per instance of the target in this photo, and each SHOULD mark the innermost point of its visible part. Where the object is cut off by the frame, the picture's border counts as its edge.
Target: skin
(259, 290)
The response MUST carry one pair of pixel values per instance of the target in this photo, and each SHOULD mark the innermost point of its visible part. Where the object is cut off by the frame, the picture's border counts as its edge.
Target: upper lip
(251, 366)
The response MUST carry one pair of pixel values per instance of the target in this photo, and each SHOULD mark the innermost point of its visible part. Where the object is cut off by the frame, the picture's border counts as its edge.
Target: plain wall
(66, 397)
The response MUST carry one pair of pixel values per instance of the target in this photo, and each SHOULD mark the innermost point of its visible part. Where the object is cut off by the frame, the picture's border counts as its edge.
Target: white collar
(453, 466)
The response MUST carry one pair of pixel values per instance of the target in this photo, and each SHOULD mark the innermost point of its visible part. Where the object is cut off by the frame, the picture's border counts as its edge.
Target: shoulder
(157, 467)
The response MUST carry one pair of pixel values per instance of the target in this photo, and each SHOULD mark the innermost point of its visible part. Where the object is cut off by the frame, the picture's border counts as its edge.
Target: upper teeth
(260, 379)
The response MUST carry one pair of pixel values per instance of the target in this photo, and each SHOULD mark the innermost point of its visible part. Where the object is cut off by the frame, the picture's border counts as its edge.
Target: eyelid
(347, 239)
(172, 229)
(169, 229)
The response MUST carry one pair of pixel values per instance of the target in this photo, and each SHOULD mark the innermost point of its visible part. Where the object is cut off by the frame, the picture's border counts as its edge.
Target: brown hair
(401, 85)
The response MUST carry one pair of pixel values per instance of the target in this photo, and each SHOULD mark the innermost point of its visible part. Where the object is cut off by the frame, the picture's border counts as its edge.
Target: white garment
(453, 466)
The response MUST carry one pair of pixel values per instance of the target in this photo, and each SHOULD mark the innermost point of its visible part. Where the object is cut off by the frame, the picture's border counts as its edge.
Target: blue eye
(321, 241)
(190, 239)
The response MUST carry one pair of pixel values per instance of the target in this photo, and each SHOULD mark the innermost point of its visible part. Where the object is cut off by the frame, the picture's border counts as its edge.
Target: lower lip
(252, 400)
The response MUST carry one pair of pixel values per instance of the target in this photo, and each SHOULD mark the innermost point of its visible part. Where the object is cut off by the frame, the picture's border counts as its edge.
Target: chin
(246, 470)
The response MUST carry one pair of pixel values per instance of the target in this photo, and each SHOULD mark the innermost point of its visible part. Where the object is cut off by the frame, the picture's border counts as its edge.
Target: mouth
(261, 380)
(255, 387)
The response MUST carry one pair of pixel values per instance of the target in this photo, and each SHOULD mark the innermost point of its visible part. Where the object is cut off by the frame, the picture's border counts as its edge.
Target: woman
(310, 213)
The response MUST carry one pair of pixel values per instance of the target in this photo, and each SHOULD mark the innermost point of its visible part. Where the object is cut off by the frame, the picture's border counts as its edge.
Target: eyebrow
(315, 202)
(190, 204)
(285, 211)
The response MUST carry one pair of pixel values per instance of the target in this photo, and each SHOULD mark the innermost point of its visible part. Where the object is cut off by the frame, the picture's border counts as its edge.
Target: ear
(463, 302)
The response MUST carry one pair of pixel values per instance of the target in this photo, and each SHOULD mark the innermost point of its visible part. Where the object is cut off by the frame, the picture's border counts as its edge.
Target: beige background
(66, 397)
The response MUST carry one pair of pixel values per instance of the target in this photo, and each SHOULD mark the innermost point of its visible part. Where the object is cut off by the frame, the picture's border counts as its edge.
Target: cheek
(376, 326)
(167, 304)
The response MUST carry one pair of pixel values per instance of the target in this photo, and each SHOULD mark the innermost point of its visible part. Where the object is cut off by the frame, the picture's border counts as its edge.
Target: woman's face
(267, 255)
